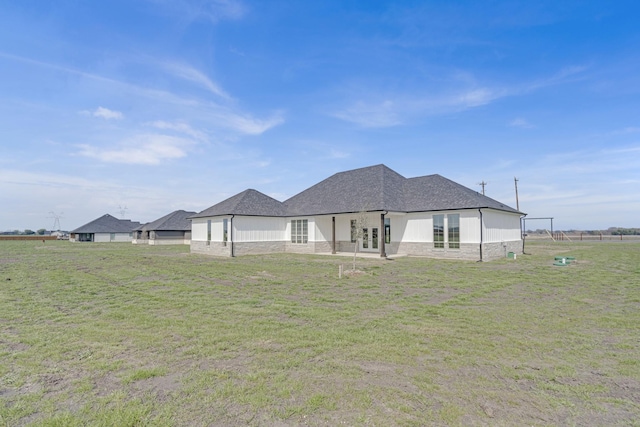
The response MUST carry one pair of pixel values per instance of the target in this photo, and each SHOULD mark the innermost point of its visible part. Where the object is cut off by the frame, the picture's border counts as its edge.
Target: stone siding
(322, 247)
(213, 248)
(256, 248)
(500, 250)
(468, 251)
(180, 241)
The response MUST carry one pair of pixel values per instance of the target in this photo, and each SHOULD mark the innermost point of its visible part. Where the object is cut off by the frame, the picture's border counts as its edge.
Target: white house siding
(413, 227)
(112, 237)
(501, 234)
(323, 233)
(412, 234)
(199, 243)
(251, 235)
(199, 229)
(169, 237)
(258, 235)
(257, 229)
(500, 226)
(323, 228)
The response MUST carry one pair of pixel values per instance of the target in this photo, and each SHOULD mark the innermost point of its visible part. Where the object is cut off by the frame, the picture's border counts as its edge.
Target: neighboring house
(107, 228)
(424, 216)
(171, 229)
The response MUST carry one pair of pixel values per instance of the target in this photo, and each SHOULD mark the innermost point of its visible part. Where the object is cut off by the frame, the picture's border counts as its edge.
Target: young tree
(358, 233)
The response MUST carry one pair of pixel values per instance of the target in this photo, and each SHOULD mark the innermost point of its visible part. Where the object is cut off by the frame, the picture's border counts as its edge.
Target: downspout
(480, 210)
(333, 235)
(381, 236)
(231, 235)
(523, 233)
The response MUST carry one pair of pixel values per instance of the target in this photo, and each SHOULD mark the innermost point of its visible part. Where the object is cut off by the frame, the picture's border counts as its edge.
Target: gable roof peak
(248, 202)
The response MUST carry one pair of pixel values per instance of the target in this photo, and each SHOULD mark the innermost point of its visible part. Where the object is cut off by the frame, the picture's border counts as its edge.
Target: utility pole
(483, 184)
(515, 180)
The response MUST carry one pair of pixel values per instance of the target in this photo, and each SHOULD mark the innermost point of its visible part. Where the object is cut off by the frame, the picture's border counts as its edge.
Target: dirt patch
(162, 387)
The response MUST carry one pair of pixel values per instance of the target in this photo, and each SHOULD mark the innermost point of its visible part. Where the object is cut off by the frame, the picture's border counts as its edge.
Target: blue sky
(158, 105)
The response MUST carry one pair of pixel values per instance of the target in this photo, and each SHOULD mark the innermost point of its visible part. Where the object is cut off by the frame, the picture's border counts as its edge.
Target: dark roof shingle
(249, 202)
(175, 221)
(108, 224)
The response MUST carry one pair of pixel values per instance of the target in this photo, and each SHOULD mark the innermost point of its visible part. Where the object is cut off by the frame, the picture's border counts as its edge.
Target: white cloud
(402, 108)
(191, 74)
(520, 123)
(104, 113)
(181, 127)
(150, 149)
(338, 154)
(460, 92)
(474, 98)
(209, 114)
(247, 124)
(107, 114)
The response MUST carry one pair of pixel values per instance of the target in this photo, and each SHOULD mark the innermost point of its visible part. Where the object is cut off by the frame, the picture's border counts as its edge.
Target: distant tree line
(25, 232)
(613, 231)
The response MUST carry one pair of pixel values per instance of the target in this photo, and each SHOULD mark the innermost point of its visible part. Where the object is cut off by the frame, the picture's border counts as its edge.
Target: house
(107, 228)
(171, 229)
(373, 207)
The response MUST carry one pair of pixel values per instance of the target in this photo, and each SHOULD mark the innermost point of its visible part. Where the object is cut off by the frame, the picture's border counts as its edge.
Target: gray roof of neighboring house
(175, 221)
(249, 202)
(108, 224)
(373, 188)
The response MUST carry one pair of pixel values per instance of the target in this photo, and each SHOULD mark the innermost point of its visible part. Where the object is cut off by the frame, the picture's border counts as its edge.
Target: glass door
(369, 239)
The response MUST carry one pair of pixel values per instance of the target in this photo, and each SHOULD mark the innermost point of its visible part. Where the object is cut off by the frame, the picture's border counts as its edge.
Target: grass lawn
(118, 334)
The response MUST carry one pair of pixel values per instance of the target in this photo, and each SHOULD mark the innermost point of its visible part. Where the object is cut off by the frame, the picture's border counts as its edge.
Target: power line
(483, 184)
(56, 220)
(515, 180)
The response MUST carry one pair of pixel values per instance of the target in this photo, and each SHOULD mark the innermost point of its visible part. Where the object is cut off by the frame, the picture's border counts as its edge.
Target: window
(299, 231)
(208, 230)
(454, 230)
(438, 231)
(112, 237)
(365, 238)
(354, 232)
(225, 229)
(374, 238)
(387, 230)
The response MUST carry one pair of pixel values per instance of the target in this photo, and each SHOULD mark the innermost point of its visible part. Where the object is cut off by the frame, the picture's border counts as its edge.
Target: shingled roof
(175, 221)
(373, 188)
(436, 193)
(108, 224)
(249, 202)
